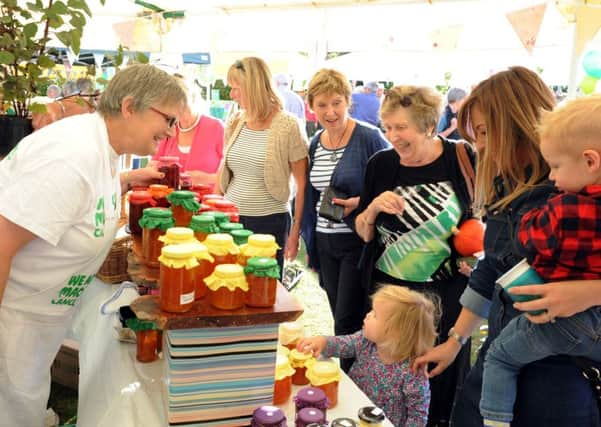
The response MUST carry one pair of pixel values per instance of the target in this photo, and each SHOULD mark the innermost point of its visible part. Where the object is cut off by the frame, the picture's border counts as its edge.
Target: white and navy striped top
(321, 172)
(246, 160)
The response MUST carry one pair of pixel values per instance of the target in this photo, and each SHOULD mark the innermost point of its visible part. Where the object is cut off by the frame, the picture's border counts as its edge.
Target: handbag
(467, 170)
(328, 209)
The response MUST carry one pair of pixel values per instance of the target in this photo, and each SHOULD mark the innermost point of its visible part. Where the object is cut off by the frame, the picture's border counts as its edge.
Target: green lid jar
(204, 224)
(157, 218)
(187, 199)
(241, 236)
(228, 227)
(263, 267)
(220, 217)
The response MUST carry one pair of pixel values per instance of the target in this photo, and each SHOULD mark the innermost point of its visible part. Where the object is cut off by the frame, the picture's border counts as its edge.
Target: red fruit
(469, 238)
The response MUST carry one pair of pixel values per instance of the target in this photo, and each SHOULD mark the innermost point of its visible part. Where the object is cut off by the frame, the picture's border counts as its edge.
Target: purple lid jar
(307, 416)
(268, 416)
(311, 397)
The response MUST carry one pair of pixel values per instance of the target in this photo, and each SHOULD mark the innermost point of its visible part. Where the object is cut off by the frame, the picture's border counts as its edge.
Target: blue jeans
(522, 342)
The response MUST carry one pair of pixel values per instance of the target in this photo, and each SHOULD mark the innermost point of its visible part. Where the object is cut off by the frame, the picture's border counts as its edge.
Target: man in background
(447, 126)
(365, 105)
(293, 103)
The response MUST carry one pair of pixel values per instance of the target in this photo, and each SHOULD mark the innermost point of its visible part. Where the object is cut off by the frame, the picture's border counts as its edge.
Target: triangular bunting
(526, 24)
(588, 23)
(446, 38)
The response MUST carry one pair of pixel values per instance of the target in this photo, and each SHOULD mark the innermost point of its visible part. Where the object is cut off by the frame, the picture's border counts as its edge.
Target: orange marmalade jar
(178, 236)
(204, 269)
(183, 206)
(299, 362)
(227, 287)
(222, 248)
(176, 279)
(159, 193)
(203, 225)
(325, 374)
(289, 333)
(229, 208)
(220, 217)
(282, 387)
(259, 245)
(138, 201)
(241, 236)
(147, 339)
(262, 275)
(154, 223)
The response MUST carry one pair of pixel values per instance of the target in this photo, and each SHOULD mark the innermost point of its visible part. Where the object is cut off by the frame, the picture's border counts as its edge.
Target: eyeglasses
(171, 121)
(239, 65)
(404, 101)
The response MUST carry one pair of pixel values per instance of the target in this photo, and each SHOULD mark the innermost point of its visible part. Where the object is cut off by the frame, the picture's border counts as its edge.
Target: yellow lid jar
(203, 270)
(176, 278)
(282, 388)
(325, 374)
(227, 287)
(258, 245)
(289, 333)
(299, 361)
(178, 236)
(222, 248)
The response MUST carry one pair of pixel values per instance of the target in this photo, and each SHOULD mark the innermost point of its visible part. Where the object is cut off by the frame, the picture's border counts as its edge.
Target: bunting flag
(567, 8)
(588, 23)
(526, 24)
(138, 34)
(446, 38)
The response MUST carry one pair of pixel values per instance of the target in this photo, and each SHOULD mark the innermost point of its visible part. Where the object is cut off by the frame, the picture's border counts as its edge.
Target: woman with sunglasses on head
(197, 142)
(60, 188)
(265, 146)
(501, 116)
(413, 196)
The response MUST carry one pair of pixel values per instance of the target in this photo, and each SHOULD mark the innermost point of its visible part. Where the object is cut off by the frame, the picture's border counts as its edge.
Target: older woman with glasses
(413, 195)
(60, 188)
(265, 146)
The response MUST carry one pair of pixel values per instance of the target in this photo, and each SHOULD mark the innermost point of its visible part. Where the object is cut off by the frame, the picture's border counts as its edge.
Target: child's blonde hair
(575, 126)
(411, 326)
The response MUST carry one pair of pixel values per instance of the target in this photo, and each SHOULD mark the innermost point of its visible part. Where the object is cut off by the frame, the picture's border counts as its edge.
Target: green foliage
(25, 31)
(224, 91)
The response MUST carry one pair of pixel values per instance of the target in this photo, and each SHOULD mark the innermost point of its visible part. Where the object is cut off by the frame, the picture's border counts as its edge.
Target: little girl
(400, 327)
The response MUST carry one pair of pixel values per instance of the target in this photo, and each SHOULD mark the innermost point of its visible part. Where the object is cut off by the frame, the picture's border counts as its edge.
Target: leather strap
(466, 167)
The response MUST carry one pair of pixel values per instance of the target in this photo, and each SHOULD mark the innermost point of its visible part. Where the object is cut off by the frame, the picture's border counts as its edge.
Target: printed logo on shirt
(69, 294)
(99, 218)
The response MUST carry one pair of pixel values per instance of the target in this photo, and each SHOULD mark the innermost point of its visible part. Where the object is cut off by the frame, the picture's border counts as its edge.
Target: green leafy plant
(25, 30)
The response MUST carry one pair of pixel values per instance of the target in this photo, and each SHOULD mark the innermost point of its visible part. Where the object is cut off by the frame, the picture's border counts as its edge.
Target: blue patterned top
(403, 396)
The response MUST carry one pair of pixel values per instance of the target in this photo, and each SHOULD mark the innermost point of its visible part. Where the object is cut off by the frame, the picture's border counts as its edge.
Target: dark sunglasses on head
(171, 121)
(239, 65)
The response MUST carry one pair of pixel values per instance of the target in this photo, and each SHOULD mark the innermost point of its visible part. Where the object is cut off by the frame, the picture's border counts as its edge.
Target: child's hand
(313, 345)
(465, 268)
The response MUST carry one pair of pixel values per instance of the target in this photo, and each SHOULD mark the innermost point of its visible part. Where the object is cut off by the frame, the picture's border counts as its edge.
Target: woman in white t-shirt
(60, 189)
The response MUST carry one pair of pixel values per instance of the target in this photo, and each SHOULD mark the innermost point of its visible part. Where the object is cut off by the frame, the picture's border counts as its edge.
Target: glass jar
(159, 193)
(241, 236)
(178, 236)
(268, 416)
(154, 223)
(370, 416)
(202, 189)
(307, 416)
(138, 201)
(228, 227)
(258, 245)
(222, 248)
(325, 374)
(170, 166)
(282, 387)
(220, 217)
(185, 181)
(176, 279)
(311, 397)
(227, 287)
(204, 269)
(210, 196)
(203, 208)
(183, 206)
(203, 225)
(289, 333)
(229, 208)
(147, 339)
(343, 422)
(299, 362)
(262, 275)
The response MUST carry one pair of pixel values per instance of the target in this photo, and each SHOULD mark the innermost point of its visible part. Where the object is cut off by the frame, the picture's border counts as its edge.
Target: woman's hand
(442, 355)
(387, 202)
(292, 245)
(313, 345)
(559, 299)
(349, 204)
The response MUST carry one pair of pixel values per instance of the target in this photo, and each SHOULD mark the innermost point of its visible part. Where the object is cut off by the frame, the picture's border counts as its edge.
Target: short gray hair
(455, 94)
(146, 84)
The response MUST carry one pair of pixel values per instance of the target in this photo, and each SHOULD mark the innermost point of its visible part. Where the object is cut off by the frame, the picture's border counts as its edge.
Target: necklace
(334, 155)
(181, 129)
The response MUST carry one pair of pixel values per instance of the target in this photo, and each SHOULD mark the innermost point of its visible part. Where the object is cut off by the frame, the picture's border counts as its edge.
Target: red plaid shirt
(563, 238)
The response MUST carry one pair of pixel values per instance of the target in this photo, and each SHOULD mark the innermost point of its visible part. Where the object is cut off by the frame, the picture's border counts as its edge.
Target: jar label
(186, 298)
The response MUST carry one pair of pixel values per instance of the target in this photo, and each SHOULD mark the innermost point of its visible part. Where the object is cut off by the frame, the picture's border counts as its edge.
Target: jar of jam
(154, 223)
(241, 236)
(210, 196)
(371, 416)
(204, 208)
(176, 279)
(220, 217)
(308, 415)
(202, 189)
(170, 166)
(159, 193)
(268, 416)
(229, 208)
(147, 339)
(261, 245)
(325, 374)
(185, 181)
(343, 422)
(138, 201)
(183, 206)
(262, 275)
(222, 248)
(289, 333)
(227, 287)
(311, 397)
(283, 351)
(300, 361)
(178, 236)
(228, 227)
(203, 225)
(282, 387)
(204, 269)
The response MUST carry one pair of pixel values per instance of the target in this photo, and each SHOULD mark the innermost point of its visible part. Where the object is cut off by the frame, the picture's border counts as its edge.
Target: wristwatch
(460, 339)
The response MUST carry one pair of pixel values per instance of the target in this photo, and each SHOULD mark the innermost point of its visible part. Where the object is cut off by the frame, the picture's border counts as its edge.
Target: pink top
(207, 147)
